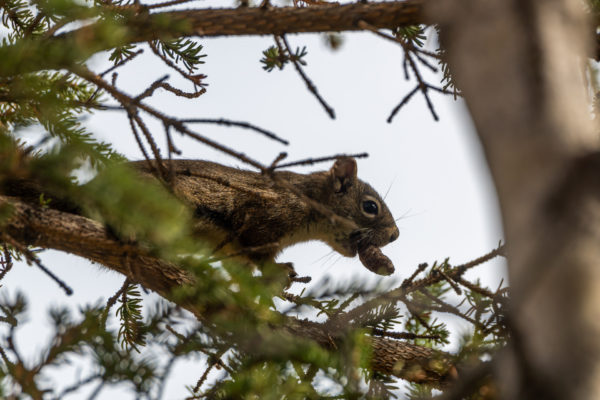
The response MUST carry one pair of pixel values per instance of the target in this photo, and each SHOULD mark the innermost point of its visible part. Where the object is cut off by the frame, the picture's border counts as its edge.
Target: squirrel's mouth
(345, 248)
(346, 245)
(355, 242)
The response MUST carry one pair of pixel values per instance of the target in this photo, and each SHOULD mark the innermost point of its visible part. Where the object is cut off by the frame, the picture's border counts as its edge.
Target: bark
(519, 65)
(52, 229)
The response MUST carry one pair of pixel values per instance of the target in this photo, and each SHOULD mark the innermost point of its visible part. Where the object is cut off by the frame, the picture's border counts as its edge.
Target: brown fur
(239, 210)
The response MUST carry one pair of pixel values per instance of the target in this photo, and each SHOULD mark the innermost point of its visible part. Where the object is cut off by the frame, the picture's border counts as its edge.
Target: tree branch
(63, 50)
(52, 229)
(49, 228)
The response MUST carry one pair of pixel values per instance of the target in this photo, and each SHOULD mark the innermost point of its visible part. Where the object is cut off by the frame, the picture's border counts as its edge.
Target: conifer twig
(309, 84)
(34, 259)
(241, 124)
(311, 161)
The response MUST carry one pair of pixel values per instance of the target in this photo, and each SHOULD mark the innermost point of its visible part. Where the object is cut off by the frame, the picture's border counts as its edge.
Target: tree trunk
(520, 66)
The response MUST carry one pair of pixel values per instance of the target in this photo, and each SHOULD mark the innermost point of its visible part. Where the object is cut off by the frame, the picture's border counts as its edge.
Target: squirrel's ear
(343, 173)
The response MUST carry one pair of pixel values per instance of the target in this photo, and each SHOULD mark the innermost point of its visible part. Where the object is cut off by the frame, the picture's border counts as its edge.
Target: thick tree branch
(59, 51)
(49, 228)
(52, 229)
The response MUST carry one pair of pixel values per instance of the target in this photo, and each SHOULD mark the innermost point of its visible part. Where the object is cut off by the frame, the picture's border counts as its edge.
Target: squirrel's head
(358, 202)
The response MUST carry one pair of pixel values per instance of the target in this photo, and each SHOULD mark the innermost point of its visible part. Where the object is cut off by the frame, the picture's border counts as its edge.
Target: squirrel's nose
(394, 235)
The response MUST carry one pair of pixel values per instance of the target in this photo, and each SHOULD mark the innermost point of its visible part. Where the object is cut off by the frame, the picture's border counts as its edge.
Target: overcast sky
(434, 172)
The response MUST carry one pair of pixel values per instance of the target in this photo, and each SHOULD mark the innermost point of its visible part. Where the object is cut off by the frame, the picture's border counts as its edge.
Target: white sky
(440, 185)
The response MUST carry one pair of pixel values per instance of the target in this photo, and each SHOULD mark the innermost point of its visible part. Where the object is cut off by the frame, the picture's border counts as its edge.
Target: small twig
(10, 340)
(474, 288)
(122, 62)
(347, 302)
(200, 382)
(364, 25)
(178, 335)
(181, 93)
(402, 103)
(195, 79)
(113, 299)
(150, 90)
(141, 145)
(97, 391)
(400, 293)
(241, 156)
(498, 251)
(410, 306)
(212, 362)
(4, 357)
(426, 63)
(451, 282)
(241, 124)
(281, 156)
(422, 85)
(55, 278)
(307, 378)
(448, 308)
(184, 340)
(6, 263)
(167, 4)
(128, 103)
(420, 268)
(444, 91)
(34, 24)
(405, 69)
(303, 301)
(159, 83)
(164, 376)
(311, 161)
(403, 335)
(77, 386)
(171, 149)
(14, 18)
(153, 146)
(311, 87)
(32, 258)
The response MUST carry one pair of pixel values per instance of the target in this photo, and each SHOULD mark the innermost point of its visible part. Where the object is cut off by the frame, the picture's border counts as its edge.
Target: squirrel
(258, 215)
(251, 212)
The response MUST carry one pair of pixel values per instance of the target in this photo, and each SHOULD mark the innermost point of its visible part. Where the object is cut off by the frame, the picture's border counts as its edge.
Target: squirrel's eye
(370, 207)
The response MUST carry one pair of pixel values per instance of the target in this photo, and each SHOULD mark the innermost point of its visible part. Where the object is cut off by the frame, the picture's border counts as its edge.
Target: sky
(434, 173)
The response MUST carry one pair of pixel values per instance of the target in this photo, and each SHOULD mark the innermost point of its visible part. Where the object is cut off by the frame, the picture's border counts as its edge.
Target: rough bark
(52, 229)
(519, 65)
